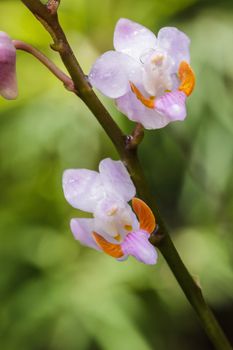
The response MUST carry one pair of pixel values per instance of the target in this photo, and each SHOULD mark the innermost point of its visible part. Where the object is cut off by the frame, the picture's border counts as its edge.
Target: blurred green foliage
(57, 295)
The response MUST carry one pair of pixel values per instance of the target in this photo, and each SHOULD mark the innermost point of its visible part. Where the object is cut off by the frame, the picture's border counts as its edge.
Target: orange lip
(148, 102)
(187, 78)
(145, 216)
(111, 249)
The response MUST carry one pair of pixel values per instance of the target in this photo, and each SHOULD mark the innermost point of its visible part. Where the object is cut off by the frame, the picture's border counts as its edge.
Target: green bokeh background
(57, 295)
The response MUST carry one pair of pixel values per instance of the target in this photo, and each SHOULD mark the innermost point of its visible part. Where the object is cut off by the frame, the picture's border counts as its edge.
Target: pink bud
(8, 82)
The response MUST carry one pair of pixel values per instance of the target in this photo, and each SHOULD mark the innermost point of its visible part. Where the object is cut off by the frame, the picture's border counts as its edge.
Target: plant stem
(129, 157)
(85, 92)
(136, 137)
(68, 83)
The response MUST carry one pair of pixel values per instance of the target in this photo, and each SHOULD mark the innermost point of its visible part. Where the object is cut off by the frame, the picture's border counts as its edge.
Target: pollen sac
(8, 82)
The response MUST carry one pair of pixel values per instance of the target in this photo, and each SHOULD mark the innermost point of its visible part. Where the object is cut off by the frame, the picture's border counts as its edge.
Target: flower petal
(175, 43)
(111, 249)
(172, 104)
(137, 245)
(8, 83)
(82, 230)
(136, 111)
(116, 179)
(112, 72)
(187, 78)
(82, 188)
(114, 217)
(132, 38)
(148, 102)
(145, 216)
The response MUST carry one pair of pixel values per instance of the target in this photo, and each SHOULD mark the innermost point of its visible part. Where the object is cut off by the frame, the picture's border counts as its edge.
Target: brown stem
(85, 92)
(129, 157)
(135, 138)
(68, 83)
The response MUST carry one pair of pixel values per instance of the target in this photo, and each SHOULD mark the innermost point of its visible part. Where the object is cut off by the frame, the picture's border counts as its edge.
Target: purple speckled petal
(132, 38)
(82, 230)
(112, 72)
(172, 104)
(137, 245)
(136, 111)
(8, 83)
(82, 188)
(116, 179)
(175, 43)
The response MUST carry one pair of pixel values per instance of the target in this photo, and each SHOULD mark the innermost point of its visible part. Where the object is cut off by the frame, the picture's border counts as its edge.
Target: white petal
(112, 72)
(175, 43)
(114, 217)
(132, 38)
(82, 230)
(136, 111)
(82, 188)
(116, 179)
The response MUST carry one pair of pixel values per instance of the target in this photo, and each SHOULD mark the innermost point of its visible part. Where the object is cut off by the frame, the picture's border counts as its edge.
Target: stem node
(132, 141)
(52, 6)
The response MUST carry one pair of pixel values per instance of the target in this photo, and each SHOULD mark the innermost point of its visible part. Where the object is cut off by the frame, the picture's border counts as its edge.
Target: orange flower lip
(148, 102)
(111, 249)
(187, 78)
(145, 216)
(187, 83)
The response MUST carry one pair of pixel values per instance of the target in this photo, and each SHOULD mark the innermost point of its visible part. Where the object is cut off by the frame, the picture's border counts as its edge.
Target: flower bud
(8, 82)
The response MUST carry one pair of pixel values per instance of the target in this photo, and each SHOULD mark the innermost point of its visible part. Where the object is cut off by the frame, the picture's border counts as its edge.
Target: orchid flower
(148, 77)
(114, 227)
(8, 83)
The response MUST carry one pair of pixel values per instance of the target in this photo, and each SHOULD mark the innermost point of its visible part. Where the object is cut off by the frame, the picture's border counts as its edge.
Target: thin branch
(68, 83)
(85, 92)
(129, 156)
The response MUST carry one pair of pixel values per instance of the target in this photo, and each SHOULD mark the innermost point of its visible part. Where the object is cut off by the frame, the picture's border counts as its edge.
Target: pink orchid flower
(8, 83)
(114, 227)
(148, 77)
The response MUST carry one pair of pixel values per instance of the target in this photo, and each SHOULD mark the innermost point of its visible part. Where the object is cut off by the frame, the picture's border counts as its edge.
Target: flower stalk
(68, 83)
(129, 156)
